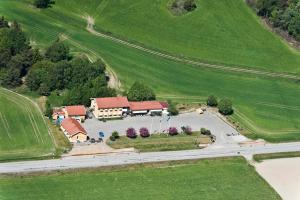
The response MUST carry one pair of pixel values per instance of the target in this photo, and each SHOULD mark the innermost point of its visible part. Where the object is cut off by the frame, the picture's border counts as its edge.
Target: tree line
(55, 70)
(283, 14)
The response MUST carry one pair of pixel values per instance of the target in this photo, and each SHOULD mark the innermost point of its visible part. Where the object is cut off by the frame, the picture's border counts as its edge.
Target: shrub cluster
(131, 133)
(187, 130)
(114, 136)
(144, 132)
(173, 131)
(205, 131)
(224, 105)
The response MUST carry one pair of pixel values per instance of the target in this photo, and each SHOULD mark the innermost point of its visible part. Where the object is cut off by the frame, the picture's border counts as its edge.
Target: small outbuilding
(73, 130)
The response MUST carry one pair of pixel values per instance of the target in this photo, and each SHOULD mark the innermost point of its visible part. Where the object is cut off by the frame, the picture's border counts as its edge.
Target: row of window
(114, 115)
(111, 110)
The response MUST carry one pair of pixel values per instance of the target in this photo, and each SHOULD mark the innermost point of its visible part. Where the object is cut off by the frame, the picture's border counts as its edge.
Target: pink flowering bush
(173, 131)
(144, 132)
(131, 133)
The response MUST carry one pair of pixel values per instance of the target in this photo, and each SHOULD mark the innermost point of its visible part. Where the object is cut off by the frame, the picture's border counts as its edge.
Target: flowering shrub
(131, 133)
(187, 130)
(144, 132)
(173, 131)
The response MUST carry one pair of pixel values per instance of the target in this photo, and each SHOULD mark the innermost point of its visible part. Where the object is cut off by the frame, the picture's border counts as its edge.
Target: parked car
(93, 140)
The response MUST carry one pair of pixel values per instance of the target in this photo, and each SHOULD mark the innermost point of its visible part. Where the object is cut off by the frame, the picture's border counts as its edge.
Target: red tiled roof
(112, 102)
(164, 104)
(76, 110)
(72, 126)
(145, 105)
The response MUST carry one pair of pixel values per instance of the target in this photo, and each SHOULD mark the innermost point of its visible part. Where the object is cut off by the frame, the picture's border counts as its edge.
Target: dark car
(93, 140)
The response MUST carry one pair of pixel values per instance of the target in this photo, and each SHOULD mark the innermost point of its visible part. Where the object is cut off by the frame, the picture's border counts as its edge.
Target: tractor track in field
(90, 28)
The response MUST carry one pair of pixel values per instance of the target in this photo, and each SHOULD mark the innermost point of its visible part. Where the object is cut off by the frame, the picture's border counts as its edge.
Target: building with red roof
(116, 107)
(73, 130)
(145, 107)
(77, 112)
(148, 107)
(109, 107)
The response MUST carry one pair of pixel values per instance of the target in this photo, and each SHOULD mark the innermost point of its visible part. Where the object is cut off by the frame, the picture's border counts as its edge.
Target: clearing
(208, 179)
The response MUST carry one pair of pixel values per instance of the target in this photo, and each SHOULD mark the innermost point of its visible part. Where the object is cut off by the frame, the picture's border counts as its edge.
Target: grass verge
(161, 142)
(267, 156)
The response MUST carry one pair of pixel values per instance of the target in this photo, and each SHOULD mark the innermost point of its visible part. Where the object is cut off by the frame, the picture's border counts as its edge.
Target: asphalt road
(135, 158)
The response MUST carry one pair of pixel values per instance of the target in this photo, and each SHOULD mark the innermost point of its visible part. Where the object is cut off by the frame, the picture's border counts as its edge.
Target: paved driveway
(196, 121)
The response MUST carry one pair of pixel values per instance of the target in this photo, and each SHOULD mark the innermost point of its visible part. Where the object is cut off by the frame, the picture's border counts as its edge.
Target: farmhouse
(77, 112)
(146, 107)
(109, 107)
(73, 130)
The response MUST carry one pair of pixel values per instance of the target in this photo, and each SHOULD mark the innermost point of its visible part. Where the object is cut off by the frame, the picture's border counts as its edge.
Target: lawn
(161, 142)
(267, 156)
(265, 107)
(230, 178)
(23, 130)
(226, 31)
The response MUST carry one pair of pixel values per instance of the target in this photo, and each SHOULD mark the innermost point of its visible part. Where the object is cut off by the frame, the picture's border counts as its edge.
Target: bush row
(144, 132)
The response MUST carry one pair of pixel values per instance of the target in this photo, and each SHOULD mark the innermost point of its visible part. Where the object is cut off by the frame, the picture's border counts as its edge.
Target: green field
(265, 107)
(161, 142)
(206, 179)
(226, 31)
(23, 131)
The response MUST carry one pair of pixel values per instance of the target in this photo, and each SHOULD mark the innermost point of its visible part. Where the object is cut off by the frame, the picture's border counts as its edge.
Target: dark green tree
(43, 3)
(11, 78)
(3, 23)
(140, 92)
(44, 90)
(58, 51)
(212, 101)
(225, 107)
(172, 108)
(48, 109)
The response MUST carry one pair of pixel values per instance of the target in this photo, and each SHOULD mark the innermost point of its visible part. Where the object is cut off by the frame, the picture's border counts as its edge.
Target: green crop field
(23, 131)
(266, 107)
(224, 31)
(206, 179)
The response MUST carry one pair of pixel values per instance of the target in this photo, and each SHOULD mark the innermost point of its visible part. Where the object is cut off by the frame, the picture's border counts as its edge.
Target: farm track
(90, 28)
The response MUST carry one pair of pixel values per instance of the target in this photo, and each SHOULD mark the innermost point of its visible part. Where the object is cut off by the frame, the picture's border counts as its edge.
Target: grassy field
(23, 131)
(161, 142)
(225, 31)
(230, 178)
(267, 156)
(265, 107)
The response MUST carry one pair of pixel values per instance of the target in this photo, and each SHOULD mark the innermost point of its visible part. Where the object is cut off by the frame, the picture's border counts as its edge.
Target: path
(135, 158)
(90, 28)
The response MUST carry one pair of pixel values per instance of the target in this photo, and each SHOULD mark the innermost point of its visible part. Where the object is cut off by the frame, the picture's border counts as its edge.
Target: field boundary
(90, 28)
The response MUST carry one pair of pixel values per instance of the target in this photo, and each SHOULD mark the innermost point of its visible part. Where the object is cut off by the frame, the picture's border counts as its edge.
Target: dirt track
(90, 28)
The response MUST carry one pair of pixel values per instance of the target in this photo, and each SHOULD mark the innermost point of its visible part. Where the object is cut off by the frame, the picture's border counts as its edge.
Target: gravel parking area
(160, 124)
